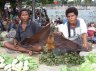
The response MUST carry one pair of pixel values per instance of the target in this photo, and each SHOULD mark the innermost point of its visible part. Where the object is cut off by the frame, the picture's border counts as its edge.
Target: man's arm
(84, 40)
(83, 30)
(15, 43)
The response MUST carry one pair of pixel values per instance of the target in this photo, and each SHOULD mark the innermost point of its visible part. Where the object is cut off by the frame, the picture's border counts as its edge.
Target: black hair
(72, 9)
(20, 12)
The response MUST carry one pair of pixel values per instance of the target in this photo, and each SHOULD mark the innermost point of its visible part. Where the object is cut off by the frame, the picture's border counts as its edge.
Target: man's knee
(5, 44)
(39, 48)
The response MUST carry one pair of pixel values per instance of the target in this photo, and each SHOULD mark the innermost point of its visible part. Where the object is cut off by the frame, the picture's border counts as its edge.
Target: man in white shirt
(74, 27)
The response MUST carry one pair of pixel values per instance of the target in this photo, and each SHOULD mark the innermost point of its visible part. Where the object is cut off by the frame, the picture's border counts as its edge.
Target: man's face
(71, 17)
(24, 16)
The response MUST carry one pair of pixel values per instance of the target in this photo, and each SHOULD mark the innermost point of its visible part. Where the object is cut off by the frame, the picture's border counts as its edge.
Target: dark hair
(72, 9)
(92, 23)
(20, 12)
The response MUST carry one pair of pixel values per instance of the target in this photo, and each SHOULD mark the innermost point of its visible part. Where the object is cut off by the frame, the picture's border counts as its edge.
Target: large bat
(40, 36)
(53, 40)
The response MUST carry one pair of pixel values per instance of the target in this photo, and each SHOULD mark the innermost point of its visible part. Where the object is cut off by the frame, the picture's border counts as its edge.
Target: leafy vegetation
(51, 58)
(33, 65)
(88, 65)
(20, 63)
(8, 58)
(1, 44)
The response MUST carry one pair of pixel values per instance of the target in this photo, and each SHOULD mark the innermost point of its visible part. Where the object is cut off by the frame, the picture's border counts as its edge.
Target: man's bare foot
(30, 53)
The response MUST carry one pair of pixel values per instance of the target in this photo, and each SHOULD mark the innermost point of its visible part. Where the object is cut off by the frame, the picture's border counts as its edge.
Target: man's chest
(75, 32)
(27, 32)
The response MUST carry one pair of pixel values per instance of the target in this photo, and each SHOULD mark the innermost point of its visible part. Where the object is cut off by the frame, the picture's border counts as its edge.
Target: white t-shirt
(81, 28)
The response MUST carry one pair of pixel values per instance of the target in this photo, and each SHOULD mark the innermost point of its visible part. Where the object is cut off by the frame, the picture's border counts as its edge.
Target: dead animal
(53, 41)
(50, 42)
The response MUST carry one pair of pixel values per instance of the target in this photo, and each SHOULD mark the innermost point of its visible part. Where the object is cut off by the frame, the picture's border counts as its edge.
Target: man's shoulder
(80, 19)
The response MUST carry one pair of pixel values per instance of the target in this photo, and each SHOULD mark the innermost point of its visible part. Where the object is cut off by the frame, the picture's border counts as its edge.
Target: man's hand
(85, 45)
(84, 39)
(15, 43)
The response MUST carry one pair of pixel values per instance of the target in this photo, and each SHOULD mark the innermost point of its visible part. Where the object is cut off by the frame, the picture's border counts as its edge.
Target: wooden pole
(33, 10)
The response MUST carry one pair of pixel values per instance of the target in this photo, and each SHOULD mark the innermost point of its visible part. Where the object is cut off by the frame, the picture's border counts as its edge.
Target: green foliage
(88, 65)
(38, 1)
(33, 65)
(44, 2)
(66, 68)
(50, 58)
(91, 57)
(72, 2)
(73, 58)
(8, 58)
(1, 44)
(51, 1)
(88, 1)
